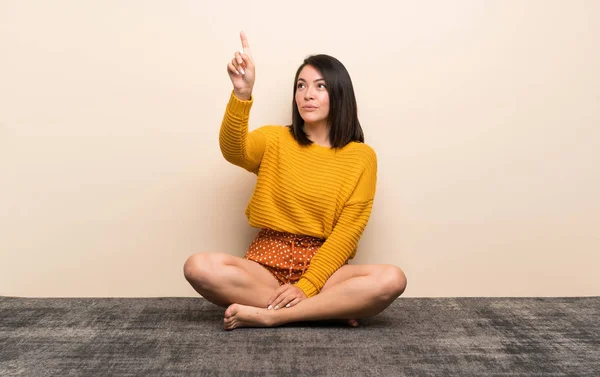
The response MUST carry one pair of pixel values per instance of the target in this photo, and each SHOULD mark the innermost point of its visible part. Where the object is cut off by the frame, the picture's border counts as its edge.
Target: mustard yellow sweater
(308, 190)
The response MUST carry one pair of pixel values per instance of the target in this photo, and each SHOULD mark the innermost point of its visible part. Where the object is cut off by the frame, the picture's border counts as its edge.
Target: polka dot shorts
(285, 255)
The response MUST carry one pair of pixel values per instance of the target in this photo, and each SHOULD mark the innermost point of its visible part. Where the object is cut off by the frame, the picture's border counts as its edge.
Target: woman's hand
(286, 296)
(241, 71)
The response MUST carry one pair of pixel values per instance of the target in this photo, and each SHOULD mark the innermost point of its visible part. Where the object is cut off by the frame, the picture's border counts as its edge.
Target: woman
(313, 198)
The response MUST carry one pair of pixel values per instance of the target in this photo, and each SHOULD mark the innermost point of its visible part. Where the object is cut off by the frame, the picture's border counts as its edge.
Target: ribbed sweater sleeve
(238, 146)
(343, 240)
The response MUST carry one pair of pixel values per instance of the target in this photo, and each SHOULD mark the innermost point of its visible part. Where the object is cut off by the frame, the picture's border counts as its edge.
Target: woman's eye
(301, 85)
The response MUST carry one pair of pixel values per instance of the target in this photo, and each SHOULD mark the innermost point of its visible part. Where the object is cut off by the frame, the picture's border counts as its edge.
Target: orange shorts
(285, 255)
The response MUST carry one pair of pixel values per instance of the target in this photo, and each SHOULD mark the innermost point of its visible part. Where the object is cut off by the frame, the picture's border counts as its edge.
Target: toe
(231, 310)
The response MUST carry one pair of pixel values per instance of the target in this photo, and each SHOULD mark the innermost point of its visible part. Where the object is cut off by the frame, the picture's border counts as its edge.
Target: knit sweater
(307, 190)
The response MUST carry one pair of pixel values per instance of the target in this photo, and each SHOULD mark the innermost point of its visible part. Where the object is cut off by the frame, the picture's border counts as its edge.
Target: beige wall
(485, 116)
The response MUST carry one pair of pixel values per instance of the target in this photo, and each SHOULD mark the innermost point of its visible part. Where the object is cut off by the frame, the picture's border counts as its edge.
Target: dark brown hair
(343, 112)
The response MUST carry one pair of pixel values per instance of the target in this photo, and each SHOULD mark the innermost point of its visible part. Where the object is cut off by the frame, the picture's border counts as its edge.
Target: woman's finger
(288, 298)
(245, 44)
(292, 303)
(238, 58)
(275, 303)
(239, 63)
(276, 295)
(231, 68)
(235, 64)
(283, 300)
(247, 61)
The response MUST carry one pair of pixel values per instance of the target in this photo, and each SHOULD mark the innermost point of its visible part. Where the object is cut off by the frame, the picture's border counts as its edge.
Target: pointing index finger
(245, 44)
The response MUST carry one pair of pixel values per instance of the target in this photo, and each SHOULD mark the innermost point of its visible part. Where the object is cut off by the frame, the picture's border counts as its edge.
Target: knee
(198, 267)
(393, 282)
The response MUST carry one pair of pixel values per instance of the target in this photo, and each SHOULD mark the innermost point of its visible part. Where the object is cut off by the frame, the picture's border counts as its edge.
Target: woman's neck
(318, 133)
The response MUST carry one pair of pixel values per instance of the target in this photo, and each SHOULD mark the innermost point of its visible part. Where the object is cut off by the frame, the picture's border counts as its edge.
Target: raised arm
(237, 145)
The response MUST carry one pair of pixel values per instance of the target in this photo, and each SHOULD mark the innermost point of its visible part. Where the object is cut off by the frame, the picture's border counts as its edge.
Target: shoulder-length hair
(343, 112)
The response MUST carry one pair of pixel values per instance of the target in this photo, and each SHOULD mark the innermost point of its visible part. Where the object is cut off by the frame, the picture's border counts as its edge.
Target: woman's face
(312, 97)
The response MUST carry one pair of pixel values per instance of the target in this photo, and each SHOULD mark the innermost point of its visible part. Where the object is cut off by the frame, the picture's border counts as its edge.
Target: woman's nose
(308, 94)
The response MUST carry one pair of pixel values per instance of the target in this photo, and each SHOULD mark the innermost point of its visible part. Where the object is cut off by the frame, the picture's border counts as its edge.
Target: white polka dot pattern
(285, 255)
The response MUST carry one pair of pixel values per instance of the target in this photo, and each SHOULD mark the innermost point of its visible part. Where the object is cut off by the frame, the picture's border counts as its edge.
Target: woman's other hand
(241, 71)
(286, 296)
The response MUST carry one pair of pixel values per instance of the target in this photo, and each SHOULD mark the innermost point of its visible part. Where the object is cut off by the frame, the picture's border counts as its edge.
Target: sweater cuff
(307, 287)
(238, 107)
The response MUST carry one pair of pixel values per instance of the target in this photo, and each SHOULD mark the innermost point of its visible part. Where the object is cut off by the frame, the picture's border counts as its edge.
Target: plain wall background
(485, 116)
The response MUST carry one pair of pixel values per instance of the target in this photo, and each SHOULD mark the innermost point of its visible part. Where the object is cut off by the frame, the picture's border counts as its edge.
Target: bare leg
(369, 290)
(335, 279)
(224, 279)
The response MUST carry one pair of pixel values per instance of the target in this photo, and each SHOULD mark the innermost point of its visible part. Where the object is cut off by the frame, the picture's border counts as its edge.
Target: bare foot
(352, 322)
(238, 315)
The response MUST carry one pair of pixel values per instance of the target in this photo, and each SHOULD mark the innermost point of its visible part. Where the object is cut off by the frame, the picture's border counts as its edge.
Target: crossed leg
(224, 279)
(352, 292)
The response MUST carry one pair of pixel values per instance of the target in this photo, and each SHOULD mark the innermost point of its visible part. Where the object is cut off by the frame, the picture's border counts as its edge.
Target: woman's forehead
(310, 73)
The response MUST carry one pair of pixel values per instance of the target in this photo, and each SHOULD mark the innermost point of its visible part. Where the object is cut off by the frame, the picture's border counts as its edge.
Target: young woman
(312, 200)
